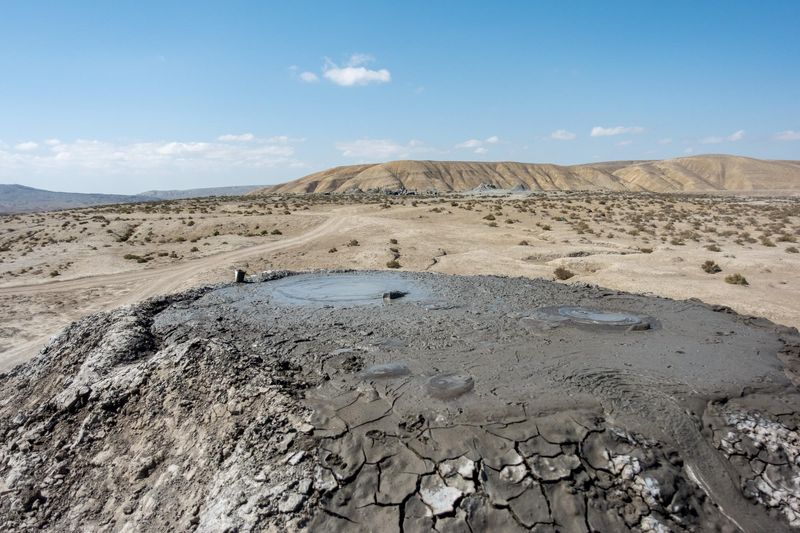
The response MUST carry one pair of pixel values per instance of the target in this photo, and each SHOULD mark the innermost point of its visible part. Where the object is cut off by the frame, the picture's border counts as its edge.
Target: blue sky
(128, 96)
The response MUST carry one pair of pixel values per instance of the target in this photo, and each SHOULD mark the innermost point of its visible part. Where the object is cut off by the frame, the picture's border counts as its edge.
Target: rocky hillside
(686, 174)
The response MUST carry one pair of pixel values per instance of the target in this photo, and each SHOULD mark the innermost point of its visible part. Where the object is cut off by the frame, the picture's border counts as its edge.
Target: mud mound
(468, 403)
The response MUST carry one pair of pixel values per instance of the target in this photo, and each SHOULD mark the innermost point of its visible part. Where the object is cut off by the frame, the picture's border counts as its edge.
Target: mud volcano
(310, 402)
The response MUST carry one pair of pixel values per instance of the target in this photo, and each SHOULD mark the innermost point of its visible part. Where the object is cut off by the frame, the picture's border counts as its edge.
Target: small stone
(291, 503)
(296, 457)
(304, 485)
(324, 480)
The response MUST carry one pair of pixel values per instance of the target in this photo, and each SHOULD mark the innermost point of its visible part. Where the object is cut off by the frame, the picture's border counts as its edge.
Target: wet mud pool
(500, 404)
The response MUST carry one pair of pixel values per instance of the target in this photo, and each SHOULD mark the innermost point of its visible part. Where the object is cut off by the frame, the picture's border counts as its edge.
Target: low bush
(736, 279)
(710, 267)
(563, 273)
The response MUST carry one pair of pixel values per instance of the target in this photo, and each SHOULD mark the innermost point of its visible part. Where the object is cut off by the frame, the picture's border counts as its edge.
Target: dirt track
(138, 285)
(198, 243)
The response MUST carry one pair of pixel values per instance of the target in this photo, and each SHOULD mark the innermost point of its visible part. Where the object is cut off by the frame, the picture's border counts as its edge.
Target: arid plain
(58, 266)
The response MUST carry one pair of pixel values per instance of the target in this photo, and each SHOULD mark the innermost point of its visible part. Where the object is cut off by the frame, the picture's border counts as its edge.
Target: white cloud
(472, 143)
(600, 131)
(178, 148)
(380, 149)
(562, 135)
(105, 158)
(788, 135)
(354, 73)
(52, 142)
(309, 77)
(26, 146)
(357, 60)
(736, 136)
(665, 140)
(243, 137)
(624, 143)
(733, 137)
(352, 76)
(478, 146)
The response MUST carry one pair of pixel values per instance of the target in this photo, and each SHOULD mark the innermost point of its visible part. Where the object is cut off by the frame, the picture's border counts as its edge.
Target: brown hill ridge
(685, 174)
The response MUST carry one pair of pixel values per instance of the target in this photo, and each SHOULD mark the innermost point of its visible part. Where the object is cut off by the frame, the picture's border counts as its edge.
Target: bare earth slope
(687, 174)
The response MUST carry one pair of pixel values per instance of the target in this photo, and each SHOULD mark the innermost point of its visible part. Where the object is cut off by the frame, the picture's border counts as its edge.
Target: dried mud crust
(226, 408)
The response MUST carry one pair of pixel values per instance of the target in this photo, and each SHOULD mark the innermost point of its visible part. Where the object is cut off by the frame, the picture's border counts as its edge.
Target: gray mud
(470, 404)
(590, 318)
(343, 289)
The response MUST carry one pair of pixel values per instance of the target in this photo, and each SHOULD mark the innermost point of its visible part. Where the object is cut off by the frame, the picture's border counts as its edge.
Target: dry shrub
(711, 267)
(563, 273)
(736, 279)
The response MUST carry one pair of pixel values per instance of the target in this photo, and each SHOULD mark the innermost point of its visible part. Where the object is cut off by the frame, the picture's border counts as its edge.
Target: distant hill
(201, 193)
(706, 173)
(21, 199)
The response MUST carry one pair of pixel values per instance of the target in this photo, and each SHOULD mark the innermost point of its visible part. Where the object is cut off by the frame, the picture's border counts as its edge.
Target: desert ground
(56, 267)
(563, 361)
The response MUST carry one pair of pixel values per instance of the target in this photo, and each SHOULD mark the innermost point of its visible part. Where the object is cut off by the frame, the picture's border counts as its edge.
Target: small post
(238, 275)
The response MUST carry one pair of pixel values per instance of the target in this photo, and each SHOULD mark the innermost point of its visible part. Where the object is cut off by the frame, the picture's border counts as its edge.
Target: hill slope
(21, 199)
(179, 194)
(697, 173)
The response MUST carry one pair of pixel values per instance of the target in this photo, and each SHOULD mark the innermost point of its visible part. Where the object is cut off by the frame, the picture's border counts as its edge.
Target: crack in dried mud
(230, 408)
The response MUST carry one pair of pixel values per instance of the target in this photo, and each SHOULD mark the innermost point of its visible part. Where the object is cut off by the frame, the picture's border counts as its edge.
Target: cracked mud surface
(457, 407)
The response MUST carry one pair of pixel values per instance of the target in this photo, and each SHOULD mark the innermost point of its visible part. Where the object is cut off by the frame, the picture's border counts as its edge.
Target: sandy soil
(57, 267)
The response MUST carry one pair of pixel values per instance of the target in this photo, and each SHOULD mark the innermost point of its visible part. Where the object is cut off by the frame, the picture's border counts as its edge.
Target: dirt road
(138, 285)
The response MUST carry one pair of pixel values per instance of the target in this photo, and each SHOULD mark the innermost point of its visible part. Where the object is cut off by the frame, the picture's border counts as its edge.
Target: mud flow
(344, 289)
(310, 402)
(590, 318)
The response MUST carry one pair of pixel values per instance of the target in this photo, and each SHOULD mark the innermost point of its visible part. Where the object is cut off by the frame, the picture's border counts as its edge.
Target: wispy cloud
(600, 131)
(625, 143)
(478, 146)
(733, 137)
(26, 146)
(98, 157)
(309, 77)
(736, 136)
(243, 137)
(355, 72)
(381, 149)
(788, 135)
(562, 135)
(665, 140)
